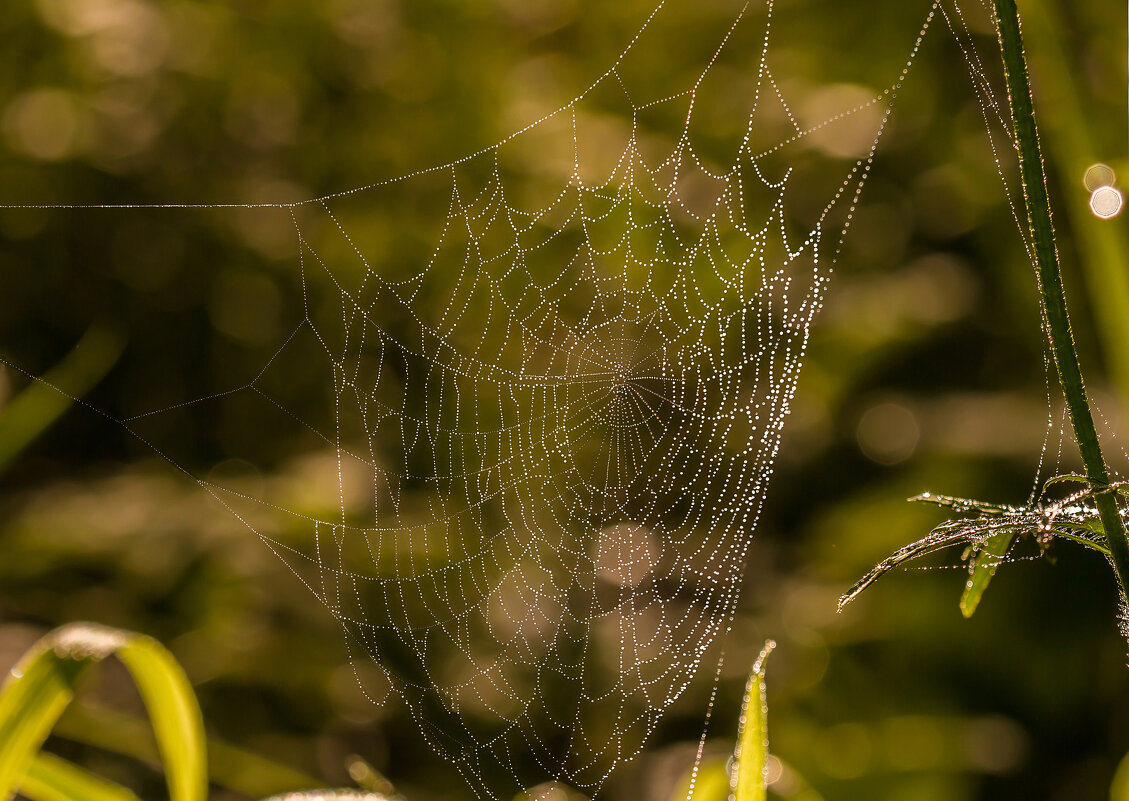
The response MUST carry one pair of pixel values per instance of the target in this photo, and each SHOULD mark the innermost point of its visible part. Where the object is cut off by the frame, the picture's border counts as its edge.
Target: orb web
(554, 397)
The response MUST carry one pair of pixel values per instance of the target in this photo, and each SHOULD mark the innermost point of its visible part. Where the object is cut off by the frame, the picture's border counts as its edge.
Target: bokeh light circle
(1106, 202)
(1098, 175)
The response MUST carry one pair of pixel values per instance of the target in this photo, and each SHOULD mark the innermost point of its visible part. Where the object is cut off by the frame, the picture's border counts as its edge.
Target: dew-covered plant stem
(1057, 319)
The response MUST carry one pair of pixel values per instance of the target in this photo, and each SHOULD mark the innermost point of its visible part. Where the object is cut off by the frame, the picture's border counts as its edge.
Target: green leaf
(985, 558)
(1071, 477)
(174, 713)
(42, 685)
(35, 693)
(51, 778)
(962, 504)
(749, 779)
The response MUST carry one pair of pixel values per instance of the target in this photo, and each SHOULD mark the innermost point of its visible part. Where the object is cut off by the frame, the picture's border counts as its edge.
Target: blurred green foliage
(925, 372)
(42, 685)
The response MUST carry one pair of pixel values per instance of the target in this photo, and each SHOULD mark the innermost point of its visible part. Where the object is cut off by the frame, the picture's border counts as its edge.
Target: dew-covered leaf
(941, 537)
(985, 558)
(1072, 477)
(962, 504)
(749, 779)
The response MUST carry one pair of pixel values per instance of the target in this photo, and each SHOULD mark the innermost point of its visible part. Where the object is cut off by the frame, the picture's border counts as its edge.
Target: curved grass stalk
(1056, 317)
(42, 685)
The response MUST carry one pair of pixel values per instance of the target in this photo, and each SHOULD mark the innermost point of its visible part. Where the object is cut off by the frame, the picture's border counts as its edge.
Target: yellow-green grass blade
(35, 693)
(174, 713)
(42, 685)
(750, 759)
(51, 778)
(33, 411)
(985, 558)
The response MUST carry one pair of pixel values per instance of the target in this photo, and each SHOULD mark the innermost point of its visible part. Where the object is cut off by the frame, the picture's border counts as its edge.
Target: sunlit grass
(42, 685)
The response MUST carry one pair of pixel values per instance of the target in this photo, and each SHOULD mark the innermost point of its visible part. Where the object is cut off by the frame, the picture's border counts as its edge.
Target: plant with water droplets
(1093, 515)
(745, 775)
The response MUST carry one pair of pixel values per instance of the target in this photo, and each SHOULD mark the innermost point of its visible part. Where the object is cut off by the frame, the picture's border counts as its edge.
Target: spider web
(551, 421)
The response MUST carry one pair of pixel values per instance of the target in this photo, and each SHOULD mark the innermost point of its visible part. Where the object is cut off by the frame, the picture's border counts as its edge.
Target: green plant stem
(1050, 283)
(1103, 244)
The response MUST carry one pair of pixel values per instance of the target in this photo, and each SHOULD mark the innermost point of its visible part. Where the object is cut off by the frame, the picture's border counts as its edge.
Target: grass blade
(51, 778)
(1071, 477)
(35, 693)
(42, 685)
(174, 713)
(1055, 314)
(943, 536)
(986, 557)
(750, 759)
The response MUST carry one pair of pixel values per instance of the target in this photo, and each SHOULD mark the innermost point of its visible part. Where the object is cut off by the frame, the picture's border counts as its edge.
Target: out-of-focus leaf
(174, 713)
(33, 411)
(344, 794)
(367, 777)
(35, 693)
(51, 778)
(230, 766)
(1119, 789)
(710, 782)
(42, 685)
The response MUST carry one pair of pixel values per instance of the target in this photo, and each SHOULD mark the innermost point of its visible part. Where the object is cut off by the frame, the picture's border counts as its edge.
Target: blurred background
(926, 372)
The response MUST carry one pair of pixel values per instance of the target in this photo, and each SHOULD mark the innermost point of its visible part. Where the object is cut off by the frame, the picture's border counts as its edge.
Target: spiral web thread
(553, 423)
